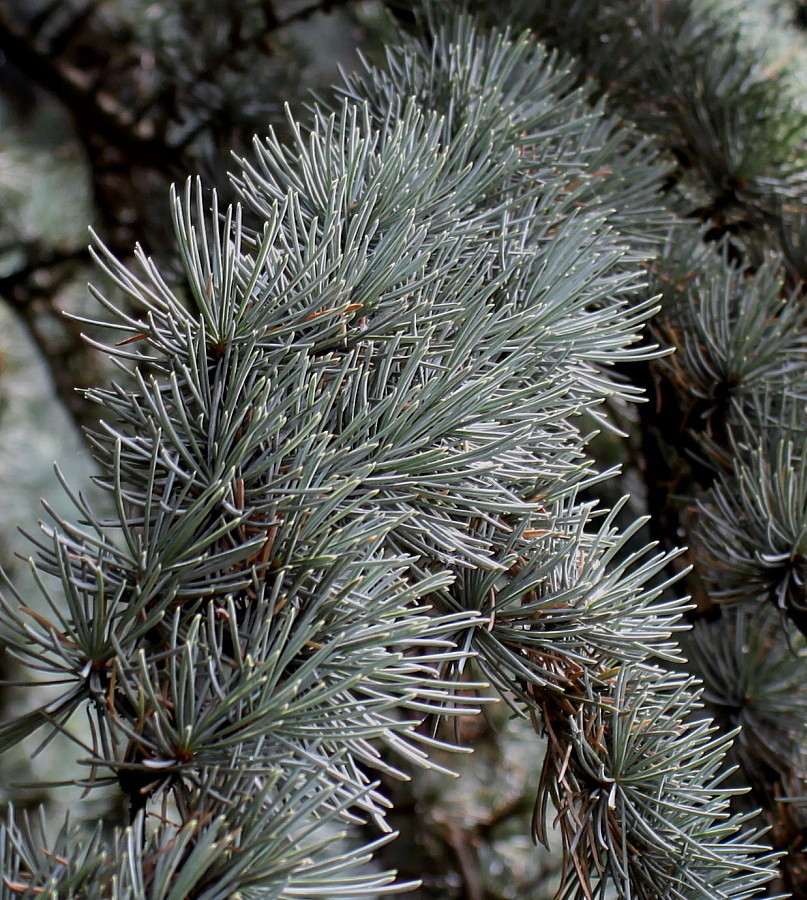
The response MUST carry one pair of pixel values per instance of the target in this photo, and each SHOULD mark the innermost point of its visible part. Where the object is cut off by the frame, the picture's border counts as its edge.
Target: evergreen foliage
(351, 489)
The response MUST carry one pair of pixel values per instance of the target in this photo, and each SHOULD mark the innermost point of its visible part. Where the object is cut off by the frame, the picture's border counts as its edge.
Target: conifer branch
(353, 461)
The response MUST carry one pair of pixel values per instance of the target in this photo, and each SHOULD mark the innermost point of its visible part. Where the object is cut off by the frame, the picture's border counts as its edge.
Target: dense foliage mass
(352, 490)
